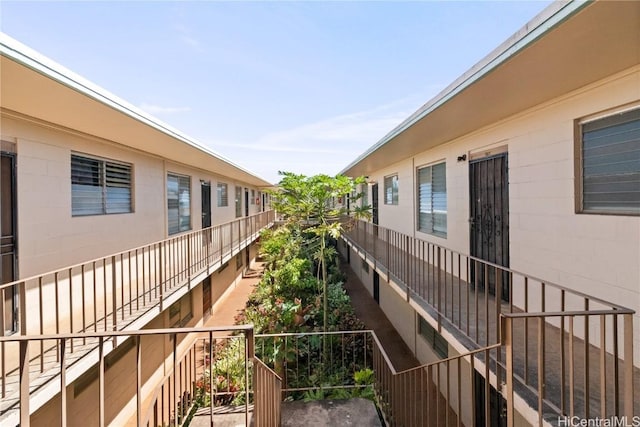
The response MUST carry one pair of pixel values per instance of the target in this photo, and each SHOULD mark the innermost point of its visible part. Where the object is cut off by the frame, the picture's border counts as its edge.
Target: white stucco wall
(49, 237)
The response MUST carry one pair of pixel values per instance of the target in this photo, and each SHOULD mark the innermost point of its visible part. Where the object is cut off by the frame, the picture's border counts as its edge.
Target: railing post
(507, 342)
(189, 244)
(24, 383)
(22, 302)
(628, 365)
(230, 239)
(388, 251)
(101, 368)
(248, 355)
(114, 294)
(138, 381)
(176, 396)
(160, 276)
(63, 383)
(439, 292)
(211, 399)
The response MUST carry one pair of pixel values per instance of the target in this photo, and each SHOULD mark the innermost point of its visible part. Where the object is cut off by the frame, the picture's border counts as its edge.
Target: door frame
(206, 210)
(490, 156)
(375, 204)
(13, 327)
(376, 287)
(246, 202)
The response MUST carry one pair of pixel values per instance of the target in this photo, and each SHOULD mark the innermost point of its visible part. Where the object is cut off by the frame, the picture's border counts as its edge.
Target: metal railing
(267, 396)
(445, 392)
(167, 404)
(468, 297)
(301, 360)
(456, 391)
(111, 293)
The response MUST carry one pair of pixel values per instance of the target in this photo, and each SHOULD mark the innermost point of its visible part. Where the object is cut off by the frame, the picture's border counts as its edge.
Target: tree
(314, 207)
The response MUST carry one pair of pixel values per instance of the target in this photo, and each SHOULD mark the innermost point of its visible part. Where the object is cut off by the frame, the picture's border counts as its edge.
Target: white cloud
(157, 109)
(344, 134)
(324, 146)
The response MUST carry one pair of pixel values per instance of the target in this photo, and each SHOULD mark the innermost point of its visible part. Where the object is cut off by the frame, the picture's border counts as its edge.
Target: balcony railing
(168, 404)
(572, 353)
(446, 392)
(116, 292)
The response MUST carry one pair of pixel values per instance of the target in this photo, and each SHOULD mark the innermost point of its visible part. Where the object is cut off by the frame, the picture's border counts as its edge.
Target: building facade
(523, 173)
(111, 220)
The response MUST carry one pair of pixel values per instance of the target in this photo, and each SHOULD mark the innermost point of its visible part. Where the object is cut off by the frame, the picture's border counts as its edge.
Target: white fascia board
(30, 58)
(546, 20)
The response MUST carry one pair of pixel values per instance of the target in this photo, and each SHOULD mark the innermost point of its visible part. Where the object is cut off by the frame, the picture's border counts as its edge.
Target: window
(365, 194)
(180, 312)
(432, 199)
(239, 261)
(223, 198)
(391, 190)
(609, 173)
(178, 203)
(238, 202)
(253, 197)
(99, 186)
(435, 340)
(365, 266)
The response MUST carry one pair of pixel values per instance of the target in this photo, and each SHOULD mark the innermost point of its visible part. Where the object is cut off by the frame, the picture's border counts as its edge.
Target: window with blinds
(223, 198)
(432, 199)
(99, 187)
(435, 340)
(610, 155)
(391, 190)
(365, 194)
(238, 202)
(178, 203)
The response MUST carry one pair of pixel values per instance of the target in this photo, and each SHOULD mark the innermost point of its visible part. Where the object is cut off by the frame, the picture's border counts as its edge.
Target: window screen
(238, 202)
(432, 199)
(435, 340)
(99, 186)
(391, 190)
(178, 203)
(223, 198)
(611, 164)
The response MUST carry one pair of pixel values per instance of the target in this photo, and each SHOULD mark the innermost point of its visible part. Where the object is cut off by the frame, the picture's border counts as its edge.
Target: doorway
(205, 187)
(8, 239)
(374, 203)
(206, 297)
(489, 219)
(246, 202)
(376, 287)
(497, 404)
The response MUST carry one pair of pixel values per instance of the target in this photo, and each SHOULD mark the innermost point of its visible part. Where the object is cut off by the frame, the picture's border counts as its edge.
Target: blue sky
(297, 86)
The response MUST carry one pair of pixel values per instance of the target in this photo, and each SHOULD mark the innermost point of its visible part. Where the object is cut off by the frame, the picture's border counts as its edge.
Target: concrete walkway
(368, 310)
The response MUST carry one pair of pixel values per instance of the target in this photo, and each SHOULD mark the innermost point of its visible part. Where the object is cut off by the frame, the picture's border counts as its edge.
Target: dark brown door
(206, 297)
(374, 203)
(376, 286)
(489, 221)
(206, 204)
(8, 264)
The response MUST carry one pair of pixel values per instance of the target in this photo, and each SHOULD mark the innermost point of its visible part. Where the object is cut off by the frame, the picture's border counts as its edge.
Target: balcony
(94, 302)
(555, 351)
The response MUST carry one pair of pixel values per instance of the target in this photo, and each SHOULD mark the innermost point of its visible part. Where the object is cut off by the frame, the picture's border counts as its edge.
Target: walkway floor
(471, 313)
(374, 318)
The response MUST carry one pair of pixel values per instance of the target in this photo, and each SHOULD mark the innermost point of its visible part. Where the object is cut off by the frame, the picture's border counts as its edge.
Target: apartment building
(517, 190)
(111, 221)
